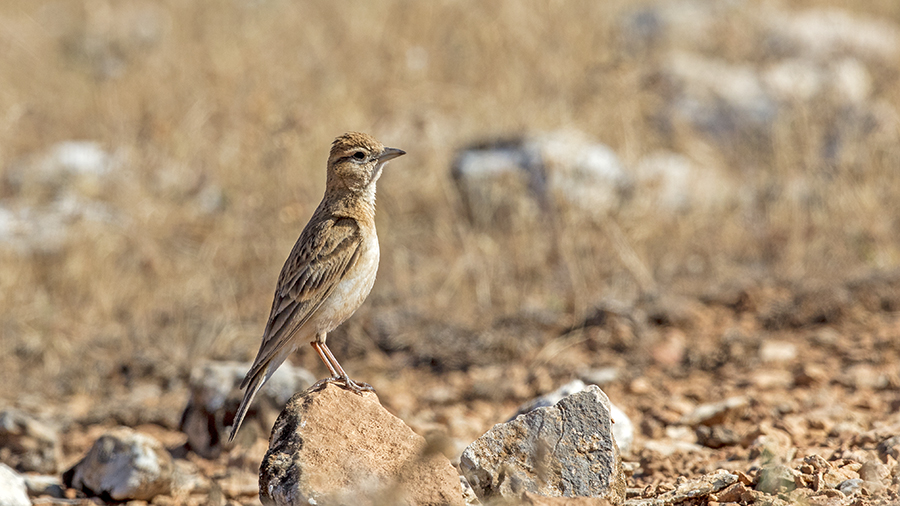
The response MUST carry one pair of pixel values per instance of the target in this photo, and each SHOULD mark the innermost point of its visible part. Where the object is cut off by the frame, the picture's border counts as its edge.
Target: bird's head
(356, 162)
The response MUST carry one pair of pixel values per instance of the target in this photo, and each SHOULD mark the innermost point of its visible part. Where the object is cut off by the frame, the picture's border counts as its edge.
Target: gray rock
(123, 465)
(66, 168)
(564, 450)
(216, 394)
(715, 413)
(12, 488)
(46, 228)
(622, 428)
(582, 174)
(722, 99)
(850, 487)
(740, 101)
(27, 443)
(889, 447)
(668, 182)
(776, 479)
(550, 399)
(69, 177)
(332, 446)
(515, 182)
(797, 80)
(826, 33)
(501, 182)
(716, 436)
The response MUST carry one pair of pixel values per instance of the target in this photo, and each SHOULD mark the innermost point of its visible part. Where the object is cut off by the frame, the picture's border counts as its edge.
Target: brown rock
(816, 463)
(773, 443)
(735, 493)
(743, 479)
(889, 447)
(239, 483)
(809, 374)
(716, 436)
(334, 446)
(873, 470)
(695, 491)
(772, 379)
(529, 499)
(834, 477)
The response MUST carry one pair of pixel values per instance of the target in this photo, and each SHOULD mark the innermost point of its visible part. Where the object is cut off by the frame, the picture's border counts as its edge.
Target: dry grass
(240, 99)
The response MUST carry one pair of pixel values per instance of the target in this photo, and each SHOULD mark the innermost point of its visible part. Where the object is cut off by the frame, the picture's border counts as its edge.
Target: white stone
(672, 182)
(77, 157)
(852, 81)
(777, 351)
(794, 79)
(821, 33)
(585, 175)
(12, 488)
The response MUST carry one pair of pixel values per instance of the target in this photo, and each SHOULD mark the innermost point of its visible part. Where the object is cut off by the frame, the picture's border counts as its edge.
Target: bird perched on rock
(331, 269)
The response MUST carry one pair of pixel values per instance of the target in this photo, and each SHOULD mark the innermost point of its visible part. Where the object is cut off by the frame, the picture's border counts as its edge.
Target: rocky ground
(793, 391)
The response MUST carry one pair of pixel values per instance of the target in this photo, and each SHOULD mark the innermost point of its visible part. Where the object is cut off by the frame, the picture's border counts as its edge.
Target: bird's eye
(359, 155)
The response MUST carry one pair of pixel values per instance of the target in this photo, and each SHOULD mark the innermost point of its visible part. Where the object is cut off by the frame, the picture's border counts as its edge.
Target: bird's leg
(334, 374)
(337, 372)
(358, 388)
(318, 347)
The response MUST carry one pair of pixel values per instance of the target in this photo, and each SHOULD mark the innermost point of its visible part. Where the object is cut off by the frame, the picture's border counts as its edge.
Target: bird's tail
(253, 382)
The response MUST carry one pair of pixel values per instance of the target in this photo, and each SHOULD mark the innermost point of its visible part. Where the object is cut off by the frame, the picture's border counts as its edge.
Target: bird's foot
(346, 383)
(357, 388)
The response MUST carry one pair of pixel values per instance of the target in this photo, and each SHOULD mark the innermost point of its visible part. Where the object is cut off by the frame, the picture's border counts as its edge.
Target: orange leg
(337, 372)
(352, 385)
(318, 347)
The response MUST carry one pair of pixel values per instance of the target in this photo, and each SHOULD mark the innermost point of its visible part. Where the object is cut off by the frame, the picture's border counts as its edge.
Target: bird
(330, 270)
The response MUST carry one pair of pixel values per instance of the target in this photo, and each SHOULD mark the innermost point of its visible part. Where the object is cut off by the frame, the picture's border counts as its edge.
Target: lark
(330, 270)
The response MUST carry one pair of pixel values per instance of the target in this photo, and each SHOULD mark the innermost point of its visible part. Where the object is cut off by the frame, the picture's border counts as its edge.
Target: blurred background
(568, 162)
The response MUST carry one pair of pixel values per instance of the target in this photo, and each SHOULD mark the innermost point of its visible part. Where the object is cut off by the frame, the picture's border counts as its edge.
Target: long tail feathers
(253, 384)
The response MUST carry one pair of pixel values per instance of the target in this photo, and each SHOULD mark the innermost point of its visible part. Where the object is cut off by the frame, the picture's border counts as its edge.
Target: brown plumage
(331, 268)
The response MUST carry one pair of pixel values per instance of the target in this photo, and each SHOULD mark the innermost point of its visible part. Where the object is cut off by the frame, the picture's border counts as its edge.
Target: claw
(357, 388)
(344, 382)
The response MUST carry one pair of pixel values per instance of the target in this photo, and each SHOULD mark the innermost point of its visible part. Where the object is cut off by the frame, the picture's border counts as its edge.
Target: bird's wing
(323, 254)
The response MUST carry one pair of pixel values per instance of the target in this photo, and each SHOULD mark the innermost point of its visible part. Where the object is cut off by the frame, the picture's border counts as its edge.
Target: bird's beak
(390, 154)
